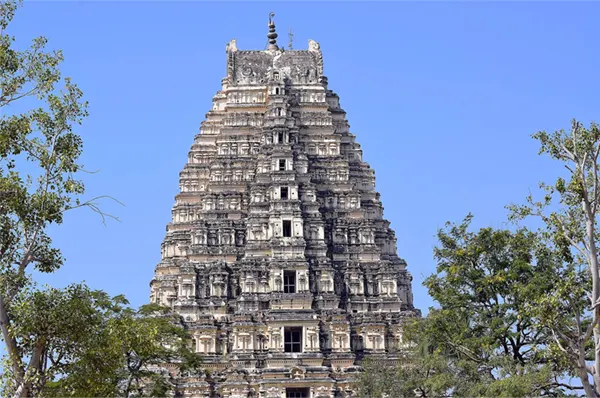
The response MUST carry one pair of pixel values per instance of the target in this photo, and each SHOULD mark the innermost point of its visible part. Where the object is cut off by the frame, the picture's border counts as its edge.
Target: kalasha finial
(272, 35)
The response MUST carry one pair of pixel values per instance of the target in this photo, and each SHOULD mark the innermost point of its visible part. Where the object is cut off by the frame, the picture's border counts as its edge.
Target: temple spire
(272, 35)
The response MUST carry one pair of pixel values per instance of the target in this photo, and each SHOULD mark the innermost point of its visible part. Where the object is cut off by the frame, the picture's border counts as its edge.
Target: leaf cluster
(92, 344)
(488, 337)
(40, 151)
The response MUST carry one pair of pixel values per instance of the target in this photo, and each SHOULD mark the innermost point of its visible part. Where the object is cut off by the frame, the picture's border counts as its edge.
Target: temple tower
(278, 257)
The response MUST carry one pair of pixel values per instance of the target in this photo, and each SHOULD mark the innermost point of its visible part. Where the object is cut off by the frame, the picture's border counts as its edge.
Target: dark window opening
(289, 281)
(287, 228)
(278, 111)
(293, 339)
(277, 90)
(284, 193)
(280, 137)
(281, 164)
(297, 393)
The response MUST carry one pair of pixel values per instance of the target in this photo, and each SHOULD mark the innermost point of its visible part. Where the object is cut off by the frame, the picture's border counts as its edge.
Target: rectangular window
(280, 137)
(297, 393)
(289, 281)
(284, 193)
(281, 164)
(292, 339)
(287, 228)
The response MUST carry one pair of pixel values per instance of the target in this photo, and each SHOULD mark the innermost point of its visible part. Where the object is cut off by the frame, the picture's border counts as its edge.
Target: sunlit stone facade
(278, 257)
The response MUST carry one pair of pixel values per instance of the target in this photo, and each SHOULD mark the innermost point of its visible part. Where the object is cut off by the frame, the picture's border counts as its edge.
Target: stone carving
(246, 71)
(313, 45)
(231, 46)
(278, 232)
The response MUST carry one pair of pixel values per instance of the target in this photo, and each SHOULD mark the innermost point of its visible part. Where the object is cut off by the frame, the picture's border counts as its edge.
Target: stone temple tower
(278, 257)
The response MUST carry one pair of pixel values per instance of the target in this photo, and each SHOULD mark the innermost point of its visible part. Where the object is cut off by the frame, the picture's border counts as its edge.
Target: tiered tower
(278, 257)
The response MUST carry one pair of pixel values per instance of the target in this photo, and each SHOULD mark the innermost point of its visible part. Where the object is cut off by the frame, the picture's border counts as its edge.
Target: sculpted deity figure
(302, 282)
(239, 241)
(314, 232)
(245, 149)
(388, 286)
(353, 237)
(217, 282)
(225, 238)
(340, 235)
(212, 238)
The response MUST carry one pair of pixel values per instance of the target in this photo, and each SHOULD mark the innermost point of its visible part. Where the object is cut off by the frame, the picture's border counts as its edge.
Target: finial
(291, 39)
(272, 35)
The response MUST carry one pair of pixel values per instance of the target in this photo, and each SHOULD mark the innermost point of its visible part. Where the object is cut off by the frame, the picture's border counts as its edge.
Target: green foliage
(569, 210)
(519, 311)
(486, 338)
(419, 370)
(487, 285)
(43, 137)
(51, 334)
(40, 141)
(94, 345)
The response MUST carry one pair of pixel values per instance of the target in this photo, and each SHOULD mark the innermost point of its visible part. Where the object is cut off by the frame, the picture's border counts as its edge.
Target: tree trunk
(594, 269)
(13, 351)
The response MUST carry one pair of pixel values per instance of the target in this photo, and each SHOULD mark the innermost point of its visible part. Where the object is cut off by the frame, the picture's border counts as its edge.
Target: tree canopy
(518, 310)
(483, 339)
(569, 209)
(73, 341)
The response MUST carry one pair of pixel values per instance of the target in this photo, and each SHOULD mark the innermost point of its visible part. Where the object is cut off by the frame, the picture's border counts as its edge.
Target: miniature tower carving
(278, 257)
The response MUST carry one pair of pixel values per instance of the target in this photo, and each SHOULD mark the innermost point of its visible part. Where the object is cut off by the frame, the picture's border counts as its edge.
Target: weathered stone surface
(278, 256)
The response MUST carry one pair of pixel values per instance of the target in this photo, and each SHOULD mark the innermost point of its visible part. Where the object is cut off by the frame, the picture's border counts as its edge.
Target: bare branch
(94, 206)
(595, 187)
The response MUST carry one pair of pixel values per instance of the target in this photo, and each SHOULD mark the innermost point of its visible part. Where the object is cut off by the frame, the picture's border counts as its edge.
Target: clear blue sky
(443, 98)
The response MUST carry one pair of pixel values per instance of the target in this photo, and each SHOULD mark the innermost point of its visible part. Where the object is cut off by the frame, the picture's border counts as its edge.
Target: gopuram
(278, 257)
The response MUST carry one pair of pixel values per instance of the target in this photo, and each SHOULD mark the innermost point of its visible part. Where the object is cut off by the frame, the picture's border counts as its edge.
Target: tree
(485, 338)
(29, 203)
(94, 345)
(569, 210)
(72, 341)
(487, 283)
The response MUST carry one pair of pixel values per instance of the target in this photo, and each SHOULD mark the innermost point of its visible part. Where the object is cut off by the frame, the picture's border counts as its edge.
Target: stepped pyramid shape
(278, 257)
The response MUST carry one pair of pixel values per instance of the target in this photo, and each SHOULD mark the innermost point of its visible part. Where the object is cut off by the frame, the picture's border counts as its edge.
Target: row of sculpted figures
(327, 336)
(222, 280)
